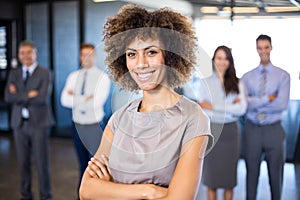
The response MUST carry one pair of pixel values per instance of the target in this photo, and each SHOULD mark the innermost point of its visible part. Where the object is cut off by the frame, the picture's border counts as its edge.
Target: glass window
(3, 57)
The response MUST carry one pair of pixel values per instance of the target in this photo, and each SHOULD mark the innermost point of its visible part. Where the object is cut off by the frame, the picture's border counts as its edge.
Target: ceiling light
(242, 9)
(181, 6)
(281, 9)
(209, 9)
(98, 1)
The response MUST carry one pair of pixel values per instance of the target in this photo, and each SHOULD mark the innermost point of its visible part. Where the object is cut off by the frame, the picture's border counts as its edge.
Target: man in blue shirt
(267, 92)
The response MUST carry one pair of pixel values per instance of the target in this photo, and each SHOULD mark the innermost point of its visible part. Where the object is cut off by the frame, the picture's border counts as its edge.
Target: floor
(64, 172)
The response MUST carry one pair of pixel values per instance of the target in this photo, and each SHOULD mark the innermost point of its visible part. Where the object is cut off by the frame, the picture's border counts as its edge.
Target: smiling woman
(145, 62)
(150, 143)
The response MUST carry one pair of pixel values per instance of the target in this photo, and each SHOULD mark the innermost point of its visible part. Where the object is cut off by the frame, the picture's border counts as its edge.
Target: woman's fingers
(102, 166)
(105, 160)
(99, 169)
(91, 172)
(94, 169)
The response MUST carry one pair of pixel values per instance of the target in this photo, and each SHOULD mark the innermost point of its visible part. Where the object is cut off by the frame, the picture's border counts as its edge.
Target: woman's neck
(221, 76)
(159, 99)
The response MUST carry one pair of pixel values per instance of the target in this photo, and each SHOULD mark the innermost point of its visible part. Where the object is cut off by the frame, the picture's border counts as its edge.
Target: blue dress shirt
(278, 83)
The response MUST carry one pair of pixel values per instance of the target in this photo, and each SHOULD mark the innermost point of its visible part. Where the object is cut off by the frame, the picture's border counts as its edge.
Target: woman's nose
(142, 62)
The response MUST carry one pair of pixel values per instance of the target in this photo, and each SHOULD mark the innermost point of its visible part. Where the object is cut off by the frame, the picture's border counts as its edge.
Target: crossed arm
(97, 182)
(39, 95)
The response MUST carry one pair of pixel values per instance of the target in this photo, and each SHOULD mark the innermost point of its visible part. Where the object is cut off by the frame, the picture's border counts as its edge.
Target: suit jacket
(40, 114)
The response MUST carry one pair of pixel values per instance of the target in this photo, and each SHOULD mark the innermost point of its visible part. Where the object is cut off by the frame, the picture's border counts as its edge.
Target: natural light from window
(241, 34)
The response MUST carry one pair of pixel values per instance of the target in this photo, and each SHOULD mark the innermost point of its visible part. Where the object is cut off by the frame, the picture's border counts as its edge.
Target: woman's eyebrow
(146, 48)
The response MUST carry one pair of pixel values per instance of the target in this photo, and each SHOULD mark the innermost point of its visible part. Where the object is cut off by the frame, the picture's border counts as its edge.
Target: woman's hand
(236, 100)
(206, 105)
(99, 169)
(160, 192)
(155, 192)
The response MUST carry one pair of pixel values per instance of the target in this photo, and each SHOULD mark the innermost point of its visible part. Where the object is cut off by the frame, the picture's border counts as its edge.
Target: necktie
(83, 84)
(262, 91)
(25, 112)
(26, 77)
(263, 82)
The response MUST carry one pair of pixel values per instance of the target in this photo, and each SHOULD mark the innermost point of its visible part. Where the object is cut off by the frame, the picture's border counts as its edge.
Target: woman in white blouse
(222, 97)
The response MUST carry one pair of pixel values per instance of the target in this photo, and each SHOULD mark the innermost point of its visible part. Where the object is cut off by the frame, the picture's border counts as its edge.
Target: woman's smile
(145, 76)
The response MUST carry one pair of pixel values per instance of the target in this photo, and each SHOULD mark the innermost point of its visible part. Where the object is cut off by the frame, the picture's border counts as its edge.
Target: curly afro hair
(173, 30)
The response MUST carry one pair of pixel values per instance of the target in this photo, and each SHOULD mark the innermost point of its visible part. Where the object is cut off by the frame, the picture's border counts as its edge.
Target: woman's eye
(130, 54)
(152, 52)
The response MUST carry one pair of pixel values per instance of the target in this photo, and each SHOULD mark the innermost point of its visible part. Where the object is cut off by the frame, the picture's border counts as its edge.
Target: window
(3, 49)
(240, 35)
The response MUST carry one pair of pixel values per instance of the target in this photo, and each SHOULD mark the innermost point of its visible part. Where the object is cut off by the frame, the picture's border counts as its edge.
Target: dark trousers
(86, 140)
(31, 140)
(267, 140)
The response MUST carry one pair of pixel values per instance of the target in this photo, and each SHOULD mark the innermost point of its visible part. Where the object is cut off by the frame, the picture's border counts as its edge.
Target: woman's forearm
(97, 189)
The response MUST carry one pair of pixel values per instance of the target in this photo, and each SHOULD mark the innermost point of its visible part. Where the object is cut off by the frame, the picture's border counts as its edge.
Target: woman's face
(221, 62)
(145, 62)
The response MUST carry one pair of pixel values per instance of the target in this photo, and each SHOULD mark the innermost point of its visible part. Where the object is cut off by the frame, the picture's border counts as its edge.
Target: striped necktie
(262, 91)
(263, 83)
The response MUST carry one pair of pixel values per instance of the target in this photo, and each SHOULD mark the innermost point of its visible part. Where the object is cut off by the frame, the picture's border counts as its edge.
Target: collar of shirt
(89, 70)
(215, 75)
(267, 68)
(30, 69)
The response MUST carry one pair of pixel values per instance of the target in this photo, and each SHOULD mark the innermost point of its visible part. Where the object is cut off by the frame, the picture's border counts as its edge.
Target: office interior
(57, 27)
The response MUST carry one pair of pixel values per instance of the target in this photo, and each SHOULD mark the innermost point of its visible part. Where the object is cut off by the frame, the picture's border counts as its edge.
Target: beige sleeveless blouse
(147, 145)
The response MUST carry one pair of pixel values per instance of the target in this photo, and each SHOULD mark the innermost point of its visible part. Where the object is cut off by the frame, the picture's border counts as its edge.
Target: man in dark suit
(28, 90)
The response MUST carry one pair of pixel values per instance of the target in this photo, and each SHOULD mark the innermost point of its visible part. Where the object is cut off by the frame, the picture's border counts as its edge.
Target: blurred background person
(268, 92)
(28, 89)
(85, 92)
(222, 98)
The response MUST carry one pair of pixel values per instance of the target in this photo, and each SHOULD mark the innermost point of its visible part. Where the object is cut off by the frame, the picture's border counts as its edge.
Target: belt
(259, 125)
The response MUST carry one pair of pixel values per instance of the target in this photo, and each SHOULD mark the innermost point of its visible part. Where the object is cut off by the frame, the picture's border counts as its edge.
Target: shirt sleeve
(21, 96)
(280, 103)
(112, 122)
(236, 109)
(190, 88)
(66, 98)
(253, 102)
(198, 125)
(100, 95)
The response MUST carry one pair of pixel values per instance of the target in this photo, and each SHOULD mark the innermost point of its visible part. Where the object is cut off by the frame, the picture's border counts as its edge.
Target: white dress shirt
(212, 90)
(86, 111)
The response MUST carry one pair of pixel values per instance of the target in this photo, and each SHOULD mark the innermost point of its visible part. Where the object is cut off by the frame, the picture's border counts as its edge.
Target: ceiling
(258, 3)
(245, 7)
(226, 8)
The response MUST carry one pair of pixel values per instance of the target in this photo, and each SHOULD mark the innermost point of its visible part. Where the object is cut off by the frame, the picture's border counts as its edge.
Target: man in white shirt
(85, 92)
